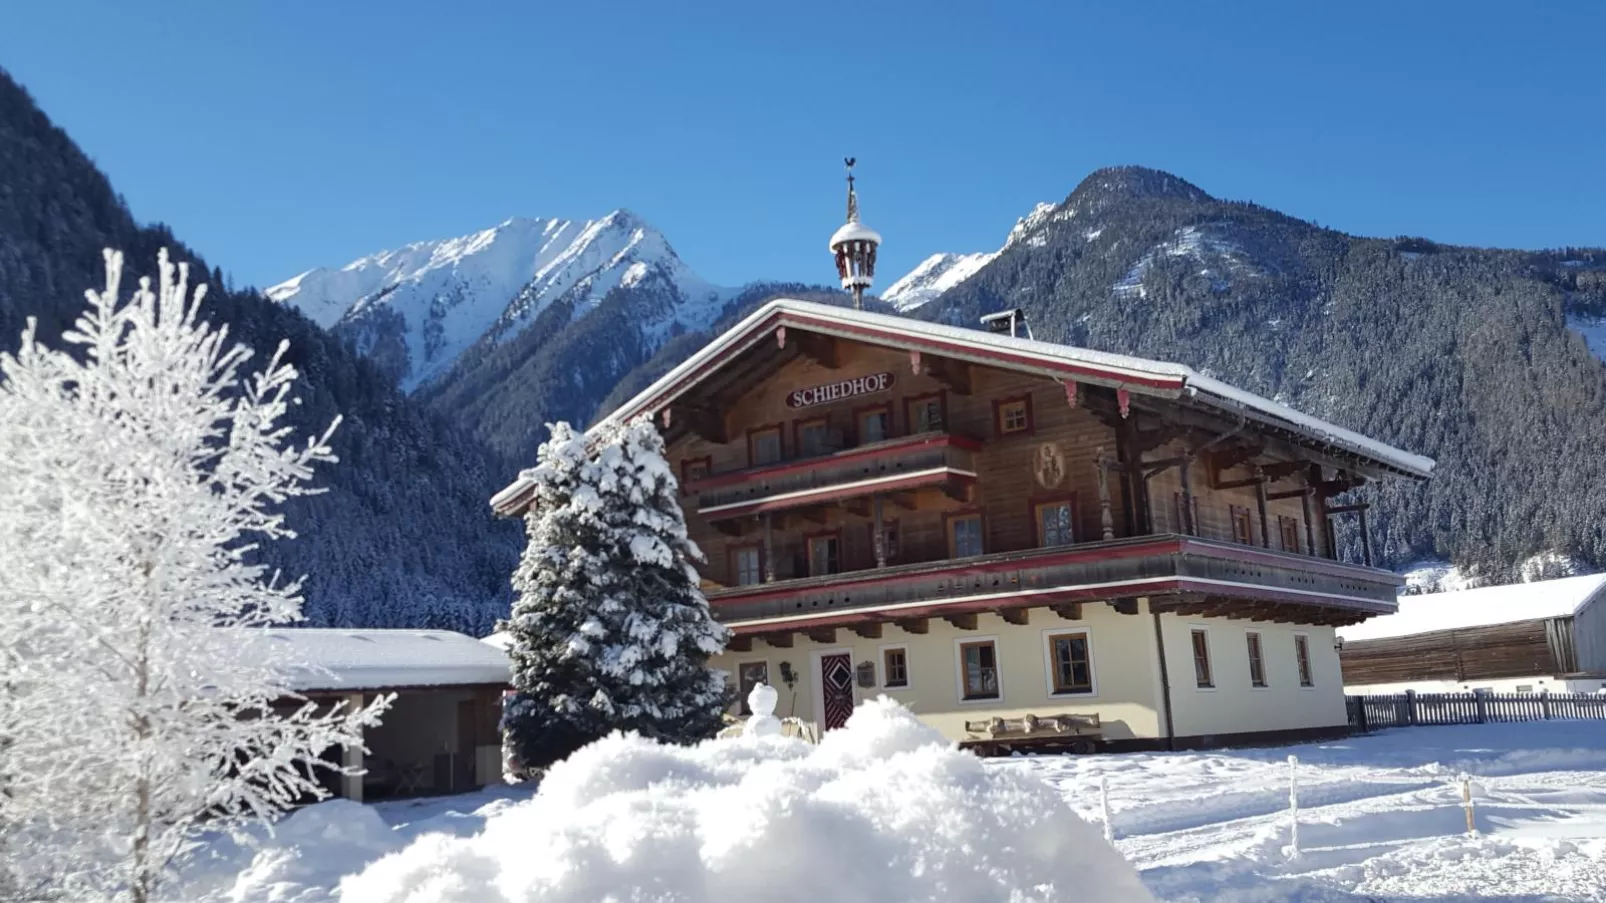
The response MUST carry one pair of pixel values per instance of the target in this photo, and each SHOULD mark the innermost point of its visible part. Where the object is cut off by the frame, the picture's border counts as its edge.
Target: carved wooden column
(1106, 522)
(1260, 503)
(1310, 521)
(880, 532)
(1185, 471)
(769, 549)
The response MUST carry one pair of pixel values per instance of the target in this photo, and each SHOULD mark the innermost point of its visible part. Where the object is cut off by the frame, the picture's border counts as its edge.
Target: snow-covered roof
(1481, 607)
(1137, 375)
(378, 659)
(854, 232)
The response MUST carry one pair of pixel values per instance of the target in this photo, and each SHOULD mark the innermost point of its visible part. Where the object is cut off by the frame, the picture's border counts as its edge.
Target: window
(1243, 526)
(748, 676)
(875, 425)
(978, 665)
(1070, 663)
(823, 555)
(1054, 524)
(764, 446)
(1201, 658)
(1257, 664)
(964, 535)
(813, 438)
(889, 535)
(746, 565)
(1289, 527)
(894, 667)
(693, 469)
(1185, 526)
(926, 414)
(1013, 416)
(1302, 653)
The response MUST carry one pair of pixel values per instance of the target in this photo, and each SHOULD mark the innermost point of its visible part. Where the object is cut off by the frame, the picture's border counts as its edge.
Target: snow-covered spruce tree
(610, 630)
(140, 703)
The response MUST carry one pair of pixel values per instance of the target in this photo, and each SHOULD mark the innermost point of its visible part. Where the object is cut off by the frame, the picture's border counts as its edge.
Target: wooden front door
(836, 689)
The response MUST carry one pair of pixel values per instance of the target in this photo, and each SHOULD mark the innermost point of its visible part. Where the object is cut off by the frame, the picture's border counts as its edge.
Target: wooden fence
(1411, 708)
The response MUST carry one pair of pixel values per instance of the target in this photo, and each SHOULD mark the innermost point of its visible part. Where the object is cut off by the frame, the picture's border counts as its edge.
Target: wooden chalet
(998, 530)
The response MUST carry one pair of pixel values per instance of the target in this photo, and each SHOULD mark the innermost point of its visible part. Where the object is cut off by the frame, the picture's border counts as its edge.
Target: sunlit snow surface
(1593, 329)
(1380, 821)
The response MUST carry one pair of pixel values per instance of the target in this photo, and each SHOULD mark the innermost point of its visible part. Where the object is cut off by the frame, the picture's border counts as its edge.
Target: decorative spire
(854, 246)
(853, 198)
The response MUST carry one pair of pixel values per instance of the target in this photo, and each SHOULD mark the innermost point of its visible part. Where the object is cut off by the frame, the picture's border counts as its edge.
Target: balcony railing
(1167, 565)
(911, 462)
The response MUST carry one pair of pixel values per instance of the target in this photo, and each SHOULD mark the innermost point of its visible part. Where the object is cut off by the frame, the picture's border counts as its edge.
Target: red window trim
(998, 416)
(780, 435)
(808, 550)
(797, 432)
(908, 409)
(891, 522)
(948, 517)
(708, 462)
(730, 560)
(1249, 535)
(858, 420)
(1032, 504)
(1284, 521)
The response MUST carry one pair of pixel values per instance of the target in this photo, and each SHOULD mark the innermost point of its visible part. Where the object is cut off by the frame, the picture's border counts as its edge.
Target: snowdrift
(884, 810)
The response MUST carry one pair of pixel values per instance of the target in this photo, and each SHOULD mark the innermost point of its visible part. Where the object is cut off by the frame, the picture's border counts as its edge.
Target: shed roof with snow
(335, 659)
(1482, 607)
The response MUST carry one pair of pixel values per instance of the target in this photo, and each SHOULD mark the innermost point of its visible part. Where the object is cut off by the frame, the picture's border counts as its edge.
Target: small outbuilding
(439, 736)
(1549, 635)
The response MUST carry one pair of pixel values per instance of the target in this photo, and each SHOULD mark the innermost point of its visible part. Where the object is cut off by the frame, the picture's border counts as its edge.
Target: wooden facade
(1541, 646)
(979, 470)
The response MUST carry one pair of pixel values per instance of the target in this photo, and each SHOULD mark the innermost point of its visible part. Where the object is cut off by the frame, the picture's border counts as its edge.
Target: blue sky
(276, 137)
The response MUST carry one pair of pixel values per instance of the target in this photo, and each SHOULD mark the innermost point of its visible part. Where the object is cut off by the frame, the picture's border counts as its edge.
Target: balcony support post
(769, 548)
(1186, 473)
(880, 532)
(1106, 523)
(1260, 503)
(1310, 526)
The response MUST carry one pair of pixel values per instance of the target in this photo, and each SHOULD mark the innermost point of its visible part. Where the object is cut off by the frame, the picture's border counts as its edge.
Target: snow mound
(293, 867)
(883, 810)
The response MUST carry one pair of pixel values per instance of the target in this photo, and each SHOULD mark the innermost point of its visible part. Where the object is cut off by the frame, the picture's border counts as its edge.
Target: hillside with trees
(1464, 354)
(403, 537)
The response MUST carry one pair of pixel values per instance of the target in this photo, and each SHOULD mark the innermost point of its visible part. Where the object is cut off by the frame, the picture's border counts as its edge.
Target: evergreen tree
(609, 631)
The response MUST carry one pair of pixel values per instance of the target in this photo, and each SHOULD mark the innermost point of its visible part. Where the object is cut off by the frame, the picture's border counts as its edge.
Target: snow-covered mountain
(935, 275)
(415, 310)
(941, 272)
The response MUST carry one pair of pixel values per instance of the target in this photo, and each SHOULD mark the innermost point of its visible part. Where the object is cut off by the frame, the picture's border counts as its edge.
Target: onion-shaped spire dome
(854, 246)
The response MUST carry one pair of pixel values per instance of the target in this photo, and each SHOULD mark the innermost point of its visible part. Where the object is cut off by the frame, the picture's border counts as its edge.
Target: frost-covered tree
(140, 703)
(610, 630)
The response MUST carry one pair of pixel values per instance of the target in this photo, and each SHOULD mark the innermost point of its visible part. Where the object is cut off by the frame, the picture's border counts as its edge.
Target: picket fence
(1411, 708)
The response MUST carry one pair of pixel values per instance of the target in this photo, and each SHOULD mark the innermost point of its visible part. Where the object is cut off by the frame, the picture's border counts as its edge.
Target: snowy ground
(1380, 820)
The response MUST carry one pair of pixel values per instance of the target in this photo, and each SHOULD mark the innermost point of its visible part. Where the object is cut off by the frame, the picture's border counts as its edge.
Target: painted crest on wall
(1048, 465)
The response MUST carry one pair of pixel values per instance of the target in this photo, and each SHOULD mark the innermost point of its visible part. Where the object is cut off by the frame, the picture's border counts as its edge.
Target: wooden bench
(1079, 734)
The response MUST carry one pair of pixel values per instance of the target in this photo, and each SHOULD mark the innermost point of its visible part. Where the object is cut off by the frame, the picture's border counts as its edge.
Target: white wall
(1234, 706)
(1125, 667)
(1125, 670)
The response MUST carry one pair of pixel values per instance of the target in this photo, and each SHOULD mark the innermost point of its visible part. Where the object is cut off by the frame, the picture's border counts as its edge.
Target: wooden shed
(1520, 638)
(439, 736)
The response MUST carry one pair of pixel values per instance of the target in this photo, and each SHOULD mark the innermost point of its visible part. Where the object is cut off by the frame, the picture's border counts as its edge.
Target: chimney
(1011, 322)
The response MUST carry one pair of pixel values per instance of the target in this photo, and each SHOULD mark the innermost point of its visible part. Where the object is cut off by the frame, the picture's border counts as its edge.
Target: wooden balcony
(894, 465)
(1182, 574)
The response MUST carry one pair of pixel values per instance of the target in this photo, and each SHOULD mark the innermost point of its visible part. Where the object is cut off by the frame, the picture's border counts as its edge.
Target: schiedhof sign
(847, 388)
